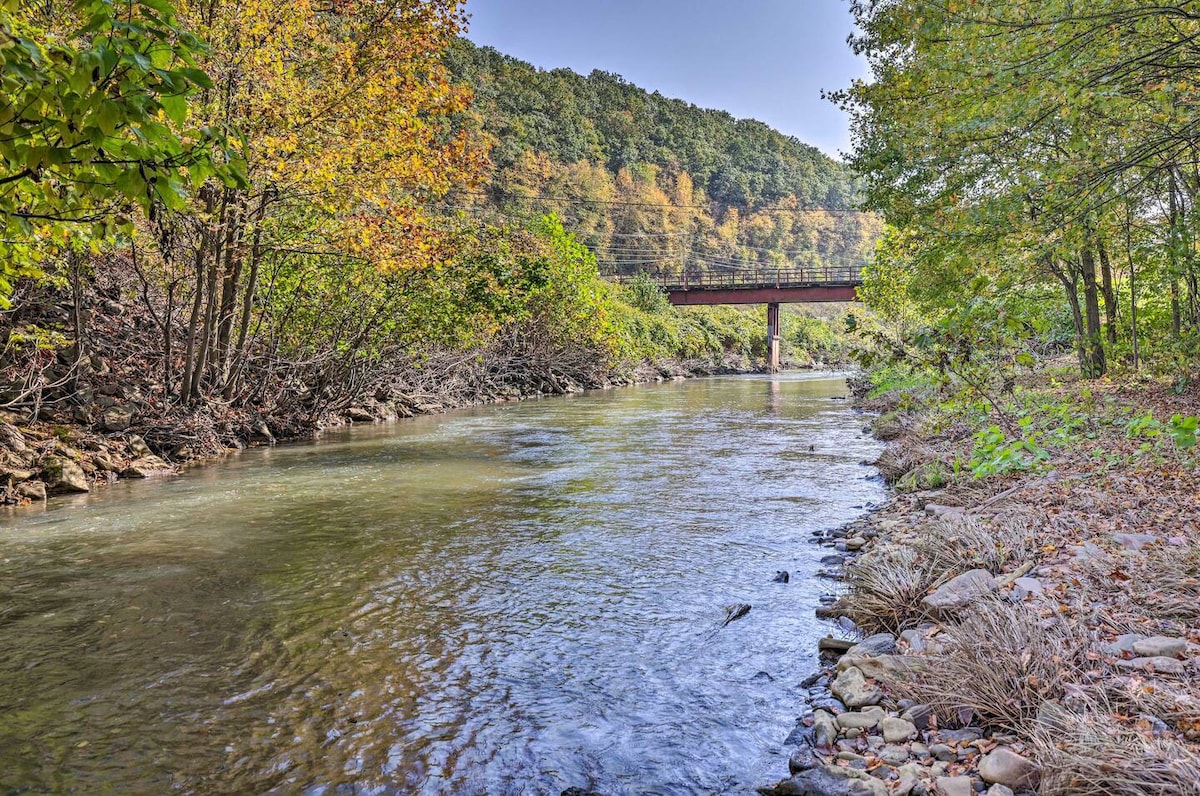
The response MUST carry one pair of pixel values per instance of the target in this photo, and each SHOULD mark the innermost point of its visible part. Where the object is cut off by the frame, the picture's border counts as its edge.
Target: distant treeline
(654, 183)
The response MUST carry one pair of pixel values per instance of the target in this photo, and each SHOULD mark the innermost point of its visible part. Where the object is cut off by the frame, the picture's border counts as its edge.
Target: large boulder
(63, 475)
(959, 592)
(1004, 766)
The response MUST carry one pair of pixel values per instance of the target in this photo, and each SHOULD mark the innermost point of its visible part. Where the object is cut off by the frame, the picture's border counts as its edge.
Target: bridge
(770, 286)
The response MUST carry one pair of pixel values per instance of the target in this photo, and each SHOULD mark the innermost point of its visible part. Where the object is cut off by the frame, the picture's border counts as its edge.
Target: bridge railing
(711, 279)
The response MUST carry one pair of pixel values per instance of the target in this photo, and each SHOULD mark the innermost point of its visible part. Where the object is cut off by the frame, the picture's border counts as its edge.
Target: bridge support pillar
(773, 337)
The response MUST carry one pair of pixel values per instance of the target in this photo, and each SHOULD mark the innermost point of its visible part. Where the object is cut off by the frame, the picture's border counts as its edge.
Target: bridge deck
(756, 286)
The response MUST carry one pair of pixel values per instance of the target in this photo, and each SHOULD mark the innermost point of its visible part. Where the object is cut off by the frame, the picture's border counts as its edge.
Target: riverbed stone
(829, 781)
(1004, 766)
(802, 759)
(1121, 644)
(913, 639)
(855, 543)
(833, 644)
(1000, 790)
(1024, 588)
(1160, 647)
(31, 490)
(861, 721)
(954, 786)
(897, 730)
(941, 751)
(878, 644)
(11, 438)
(63, 475)
(825, 730)
(894, 754)
(959, 592)
(853, 689)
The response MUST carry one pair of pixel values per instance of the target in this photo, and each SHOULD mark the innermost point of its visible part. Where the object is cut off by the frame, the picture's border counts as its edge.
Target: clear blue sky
(762, 59)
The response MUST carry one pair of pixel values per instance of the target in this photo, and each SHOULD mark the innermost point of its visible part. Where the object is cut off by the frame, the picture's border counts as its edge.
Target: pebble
(942, 752)
(894, 755)
(1160, 665)
(861, 721)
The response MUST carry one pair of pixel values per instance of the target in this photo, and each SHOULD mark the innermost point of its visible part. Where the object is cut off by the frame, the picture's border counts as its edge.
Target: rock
(964, 736)
(880, 667)
(144, 467)
(360, 415)
(828, 781)
(31, 490)
(894, 755)
(1160, 647)
(734, 612)
(64, 475)
(910, 775)
(914, 640)
(954, 786)
(825, 730)
(829, 704)
(959, 592)
(117, 418)
(941, 751)
(1023, 588)
(1000, 790)
(138, 446)
(1160, 665)
(832, 644)
(855, 543)
(800, 735)
(852, 688)
(938, 510)
(897, 730)
(781, 577)
(1135, 541)
(862, 721)
(1006, 767)
(802, 759)
(878, 644)
(1121, 644)
(11, 438)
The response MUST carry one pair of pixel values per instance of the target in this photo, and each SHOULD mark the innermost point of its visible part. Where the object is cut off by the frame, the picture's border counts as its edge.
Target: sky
(760, 59)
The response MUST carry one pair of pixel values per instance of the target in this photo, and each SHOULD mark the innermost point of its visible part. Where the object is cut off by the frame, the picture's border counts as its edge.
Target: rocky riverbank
(1037, 632)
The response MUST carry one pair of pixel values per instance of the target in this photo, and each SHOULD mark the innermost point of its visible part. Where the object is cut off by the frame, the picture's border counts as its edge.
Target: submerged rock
(734, 612)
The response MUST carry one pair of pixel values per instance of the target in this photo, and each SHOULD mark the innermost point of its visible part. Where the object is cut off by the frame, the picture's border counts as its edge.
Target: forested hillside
(651, 182)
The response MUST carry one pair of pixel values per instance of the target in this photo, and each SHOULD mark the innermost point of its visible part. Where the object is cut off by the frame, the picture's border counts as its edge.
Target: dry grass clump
(888, 584)
(898, 460)
(999, 663)
(1089, 751)
(967, 543)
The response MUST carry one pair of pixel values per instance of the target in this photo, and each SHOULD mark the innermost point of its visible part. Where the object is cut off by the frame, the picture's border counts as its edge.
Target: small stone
(941, 751)
(878, 644)
(138, 446)
(897, 730)
(802, 760)
(894, 755)
(825, 730)
(938, 510)
(964, 736)
(1023, 588)
(11, 438)
(954, 786)
(918, 749)
(862, 721)
(852, 688)
(855, 543)
(849, 756)
(959, 592)
(1160, 647)
(1121, 644)
(914, 640)
(1000, 790)
(1006, 767)
(918, 715)
(1160, 665)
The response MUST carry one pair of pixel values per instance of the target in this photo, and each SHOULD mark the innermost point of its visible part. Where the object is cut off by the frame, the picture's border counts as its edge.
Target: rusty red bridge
(770, 286)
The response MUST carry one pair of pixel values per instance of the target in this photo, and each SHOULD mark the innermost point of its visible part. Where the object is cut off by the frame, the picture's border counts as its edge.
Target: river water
(514, 599)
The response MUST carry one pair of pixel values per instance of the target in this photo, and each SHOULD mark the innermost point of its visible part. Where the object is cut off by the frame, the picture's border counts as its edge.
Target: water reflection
(508, 600)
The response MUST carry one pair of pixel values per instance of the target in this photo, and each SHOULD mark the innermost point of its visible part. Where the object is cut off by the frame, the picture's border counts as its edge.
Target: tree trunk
(1071, 287)
(1096, 364)
(1110, 297)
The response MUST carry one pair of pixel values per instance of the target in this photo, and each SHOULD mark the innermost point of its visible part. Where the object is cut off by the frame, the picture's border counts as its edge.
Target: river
(507, 600)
